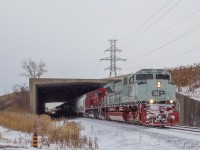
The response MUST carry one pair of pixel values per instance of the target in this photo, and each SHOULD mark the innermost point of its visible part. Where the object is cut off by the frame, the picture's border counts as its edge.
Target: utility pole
(113, 59)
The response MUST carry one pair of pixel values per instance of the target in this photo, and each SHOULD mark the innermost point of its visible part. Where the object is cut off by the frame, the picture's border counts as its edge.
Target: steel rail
(184, 128)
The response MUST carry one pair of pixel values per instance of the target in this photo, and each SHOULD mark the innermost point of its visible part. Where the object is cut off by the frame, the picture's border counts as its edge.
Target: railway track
(184, 128)
(176, 127)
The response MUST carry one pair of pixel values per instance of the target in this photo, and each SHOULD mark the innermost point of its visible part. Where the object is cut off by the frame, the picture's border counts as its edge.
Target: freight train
(146, 97)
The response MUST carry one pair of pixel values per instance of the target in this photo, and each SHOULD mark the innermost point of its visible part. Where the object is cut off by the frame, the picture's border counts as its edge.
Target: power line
(177, 38)
(170, 58)
(179, 22)
(139, 35)
(94, 74)
(149, 19)
(186, 52)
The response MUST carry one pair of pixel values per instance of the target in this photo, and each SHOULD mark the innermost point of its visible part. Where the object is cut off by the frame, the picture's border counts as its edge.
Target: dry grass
(186, 75)
(62, 133)
(15, 100)
(25, 122)
(14, 115)
(6, 100)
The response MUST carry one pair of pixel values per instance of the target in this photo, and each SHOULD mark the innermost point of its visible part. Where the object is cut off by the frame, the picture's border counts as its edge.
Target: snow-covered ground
(10, 139)
(114, 136)
(121, 136)
(194, 94)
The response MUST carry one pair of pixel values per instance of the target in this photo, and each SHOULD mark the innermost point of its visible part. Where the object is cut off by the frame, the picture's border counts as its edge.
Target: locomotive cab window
(162, 76)
(125, 81)
(131, 80)
(144, 76)
(109, 90)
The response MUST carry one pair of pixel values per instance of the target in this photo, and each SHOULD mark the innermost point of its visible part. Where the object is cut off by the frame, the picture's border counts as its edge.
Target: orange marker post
(35, 140)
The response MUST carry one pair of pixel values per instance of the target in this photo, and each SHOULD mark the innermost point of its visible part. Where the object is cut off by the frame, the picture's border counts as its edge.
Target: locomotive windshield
(162, 76)
(144, 76)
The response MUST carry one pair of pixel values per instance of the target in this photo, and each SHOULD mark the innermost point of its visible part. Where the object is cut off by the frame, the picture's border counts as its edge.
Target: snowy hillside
(194, 94)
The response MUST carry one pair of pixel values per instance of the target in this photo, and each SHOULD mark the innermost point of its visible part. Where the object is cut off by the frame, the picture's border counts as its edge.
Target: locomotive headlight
(151, 101)
(158, 84)
(171, 101)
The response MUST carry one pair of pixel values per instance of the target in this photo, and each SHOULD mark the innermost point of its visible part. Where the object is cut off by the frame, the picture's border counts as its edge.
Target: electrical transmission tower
(113, 59)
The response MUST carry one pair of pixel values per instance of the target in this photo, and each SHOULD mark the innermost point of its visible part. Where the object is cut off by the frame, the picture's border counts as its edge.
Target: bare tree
(32, 69)
(20, 88)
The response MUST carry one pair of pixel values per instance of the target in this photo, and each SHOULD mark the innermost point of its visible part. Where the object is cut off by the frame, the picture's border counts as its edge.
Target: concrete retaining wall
(190, 111)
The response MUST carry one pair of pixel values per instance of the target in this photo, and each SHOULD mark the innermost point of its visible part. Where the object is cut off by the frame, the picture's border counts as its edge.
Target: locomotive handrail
(100, 107)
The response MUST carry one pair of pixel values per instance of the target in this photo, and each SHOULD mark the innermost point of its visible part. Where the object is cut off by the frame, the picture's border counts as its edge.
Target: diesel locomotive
(146, 97)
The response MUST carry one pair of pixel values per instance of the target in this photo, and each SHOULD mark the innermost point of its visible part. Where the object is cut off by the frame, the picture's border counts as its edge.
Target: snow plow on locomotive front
(159, 114)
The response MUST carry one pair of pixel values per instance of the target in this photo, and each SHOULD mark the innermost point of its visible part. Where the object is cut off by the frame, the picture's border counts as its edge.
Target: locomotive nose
(161, 117)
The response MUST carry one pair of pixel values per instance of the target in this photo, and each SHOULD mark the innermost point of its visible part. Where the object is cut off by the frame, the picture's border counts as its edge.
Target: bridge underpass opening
(62, 92)
(49, 106)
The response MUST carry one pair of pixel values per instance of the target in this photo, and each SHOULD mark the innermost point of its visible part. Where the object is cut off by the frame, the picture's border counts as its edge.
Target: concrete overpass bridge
(45, 90)
(66, 90)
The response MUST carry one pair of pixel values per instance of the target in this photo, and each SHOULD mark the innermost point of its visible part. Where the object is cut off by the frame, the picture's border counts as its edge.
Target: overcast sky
(71, 36)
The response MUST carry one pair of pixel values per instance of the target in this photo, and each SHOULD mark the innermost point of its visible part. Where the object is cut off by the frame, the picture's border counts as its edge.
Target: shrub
(185, 75)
